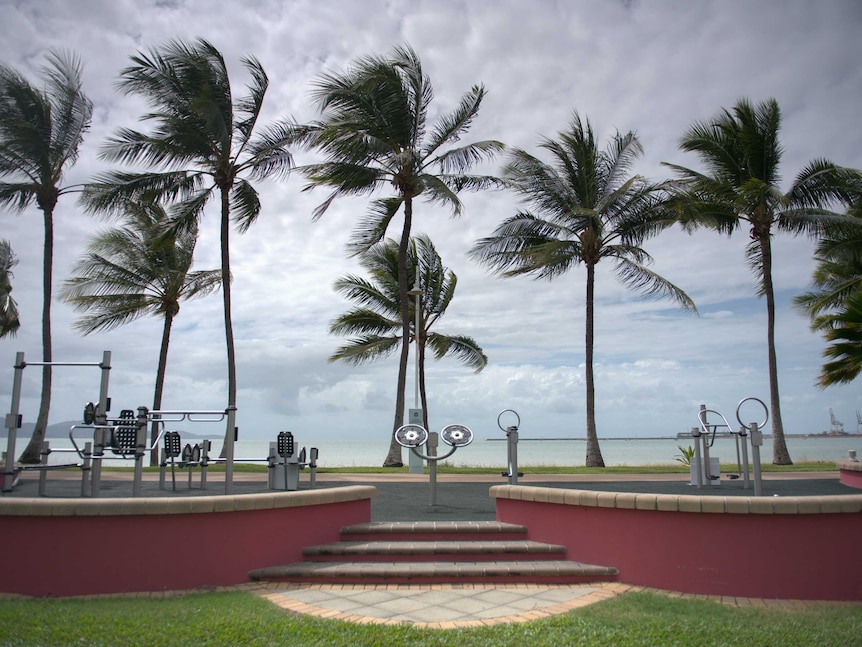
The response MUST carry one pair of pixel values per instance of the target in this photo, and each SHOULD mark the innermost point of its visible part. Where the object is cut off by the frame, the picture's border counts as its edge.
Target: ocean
(493, 453)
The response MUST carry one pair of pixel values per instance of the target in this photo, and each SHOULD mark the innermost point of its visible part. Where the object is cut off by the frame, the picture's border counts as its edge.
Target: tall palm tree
(835, 302)
(205, 145)
(374, 132)
(375, 323)
(9, 322)
(134, 271)
(741, 153)
(586, 209)
(41, 131)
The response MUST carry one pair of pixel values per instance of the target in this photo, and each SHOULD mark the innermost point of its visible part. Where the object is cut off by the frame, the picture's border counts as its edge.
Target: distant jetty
(522, 439)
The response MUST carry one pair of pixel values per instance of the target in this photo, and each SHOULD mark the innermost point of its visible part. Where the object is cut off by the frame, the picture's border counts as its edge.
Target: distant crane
(835, 425)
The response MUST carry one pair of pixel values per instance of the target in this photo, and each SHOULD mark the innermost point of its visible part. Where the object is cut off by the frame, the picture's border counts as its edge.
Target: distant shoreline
(767, 436)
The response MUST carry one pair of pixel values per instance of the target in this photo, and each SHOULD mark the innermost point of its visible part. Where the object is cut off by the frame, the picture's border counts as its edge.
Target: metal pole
(512, 442)
(103, 386)
(12, 424)
(416, 341)
(432, 467)
(706, 466)
(698, 458)
(756, 441)
(746, 476)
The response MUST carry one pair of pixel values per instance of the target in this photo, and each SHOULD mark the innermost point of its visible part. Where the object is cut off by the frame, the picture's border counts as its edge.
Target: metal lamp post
(415, 415)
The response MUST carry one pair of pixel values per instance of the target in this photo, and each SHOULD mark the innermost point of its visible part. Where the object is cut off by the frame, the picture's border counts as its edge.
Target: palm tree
(838, 274)
(41, 131)
(375, 323)
(845, 335)
(586, 209)
(9, 322)
(205, 145)
(835, 303)
(134, 271)
(374, 132)
(740, 187)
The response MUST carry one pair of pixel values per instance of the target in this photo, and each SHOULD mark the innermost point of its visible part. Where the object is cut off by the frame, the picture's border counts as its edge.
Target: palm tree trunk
(32, 453)
(594, 453)
(227, 447)
(394, 457)
(160, 384)
(780, 455)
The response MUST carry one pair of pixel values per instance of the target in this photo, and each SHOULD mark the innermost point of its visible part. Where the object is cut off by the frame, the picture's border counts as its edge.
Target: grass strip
(215, 619)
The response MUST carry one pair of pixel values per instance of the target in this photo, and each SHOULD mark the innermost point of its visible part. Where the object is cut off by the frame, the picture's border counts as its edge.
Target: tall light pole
(416, 416)
(416, 291)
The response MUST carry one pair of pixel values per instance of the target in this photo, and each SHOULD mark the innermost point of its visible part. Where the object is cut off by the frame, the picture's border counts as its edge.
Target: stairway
(433, 553)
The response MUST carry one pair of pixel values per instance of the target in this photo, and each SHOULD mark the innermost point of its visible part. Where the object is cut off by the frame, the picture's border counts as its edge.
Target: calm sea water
(484, 453)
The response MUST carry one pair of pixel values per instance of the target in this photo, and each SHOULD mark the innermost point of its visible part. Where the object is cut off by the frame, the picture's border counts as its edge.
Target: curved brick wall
(764, 547)
(62, 547)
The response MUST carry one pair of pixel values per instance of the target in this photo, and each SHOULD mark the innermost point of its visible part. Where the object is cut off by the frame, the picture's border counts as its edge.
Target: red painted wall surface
(800, 556)
(62, 556)
(851, 478)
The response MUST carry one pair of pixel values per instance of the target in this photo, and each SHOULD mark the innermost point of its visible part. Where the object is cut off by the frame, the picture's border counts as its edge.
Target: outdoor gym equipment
(283, 462)
(286, 463)
(13, 418)
(124, 437)
(511, 445)
(414, 436)
(705, 435)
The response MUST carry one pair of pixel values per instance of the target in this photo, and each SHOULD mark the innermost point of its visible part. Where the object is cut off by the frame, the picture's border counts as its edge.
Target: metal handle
(765, 410)
(517, 418)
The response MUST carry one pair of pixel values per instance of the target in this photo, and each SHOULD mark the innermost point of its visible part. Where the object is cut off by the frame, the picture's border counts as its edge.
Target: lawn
(244, 619)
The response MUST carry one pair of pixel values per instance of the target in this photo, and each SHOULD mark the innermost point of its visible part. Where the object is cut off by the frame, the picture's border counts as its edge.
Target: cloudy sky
(649, 66)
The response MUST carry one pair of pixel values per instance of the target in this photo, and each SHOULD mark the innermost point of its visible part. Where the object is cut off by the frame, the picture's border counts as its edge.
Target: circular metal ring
(457, 435)
(517, 417)
(411, 436)
(765, 410)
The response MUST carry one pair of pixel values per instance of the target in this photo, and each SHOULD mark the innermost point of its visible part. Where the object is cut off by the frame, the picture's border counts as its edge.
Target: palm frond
(436, 191)
(249, 106)
(17, 196)
(372, 228)
(641, 279)
(364, 321)
(449, 128)
(364, 349)
(463, 348)
(378, 296)
(110, 193)
(845, 349)
(460, 160)
(268, 153)
(9, 318)
(244, 205)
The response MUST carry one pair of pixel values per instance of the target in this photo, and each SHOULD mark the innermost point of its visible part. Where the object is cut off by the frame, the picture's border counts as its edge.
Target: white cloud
(653, 67)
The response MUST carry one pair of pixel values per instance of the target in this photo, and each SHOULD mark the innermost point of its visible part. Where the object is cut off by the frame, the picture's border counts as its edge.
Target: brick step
(478, 550)
(433, 531)
(509, 572)
(423, 552)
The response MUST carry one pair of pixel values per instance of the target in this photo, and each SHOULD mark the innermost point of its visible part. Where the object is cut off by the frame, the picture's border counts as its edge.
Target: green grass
(244, 619)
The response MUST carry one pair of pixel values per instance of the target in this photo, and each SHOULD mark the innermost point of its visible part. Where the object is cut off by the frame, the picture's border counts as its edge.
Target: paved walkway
(451, 606)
